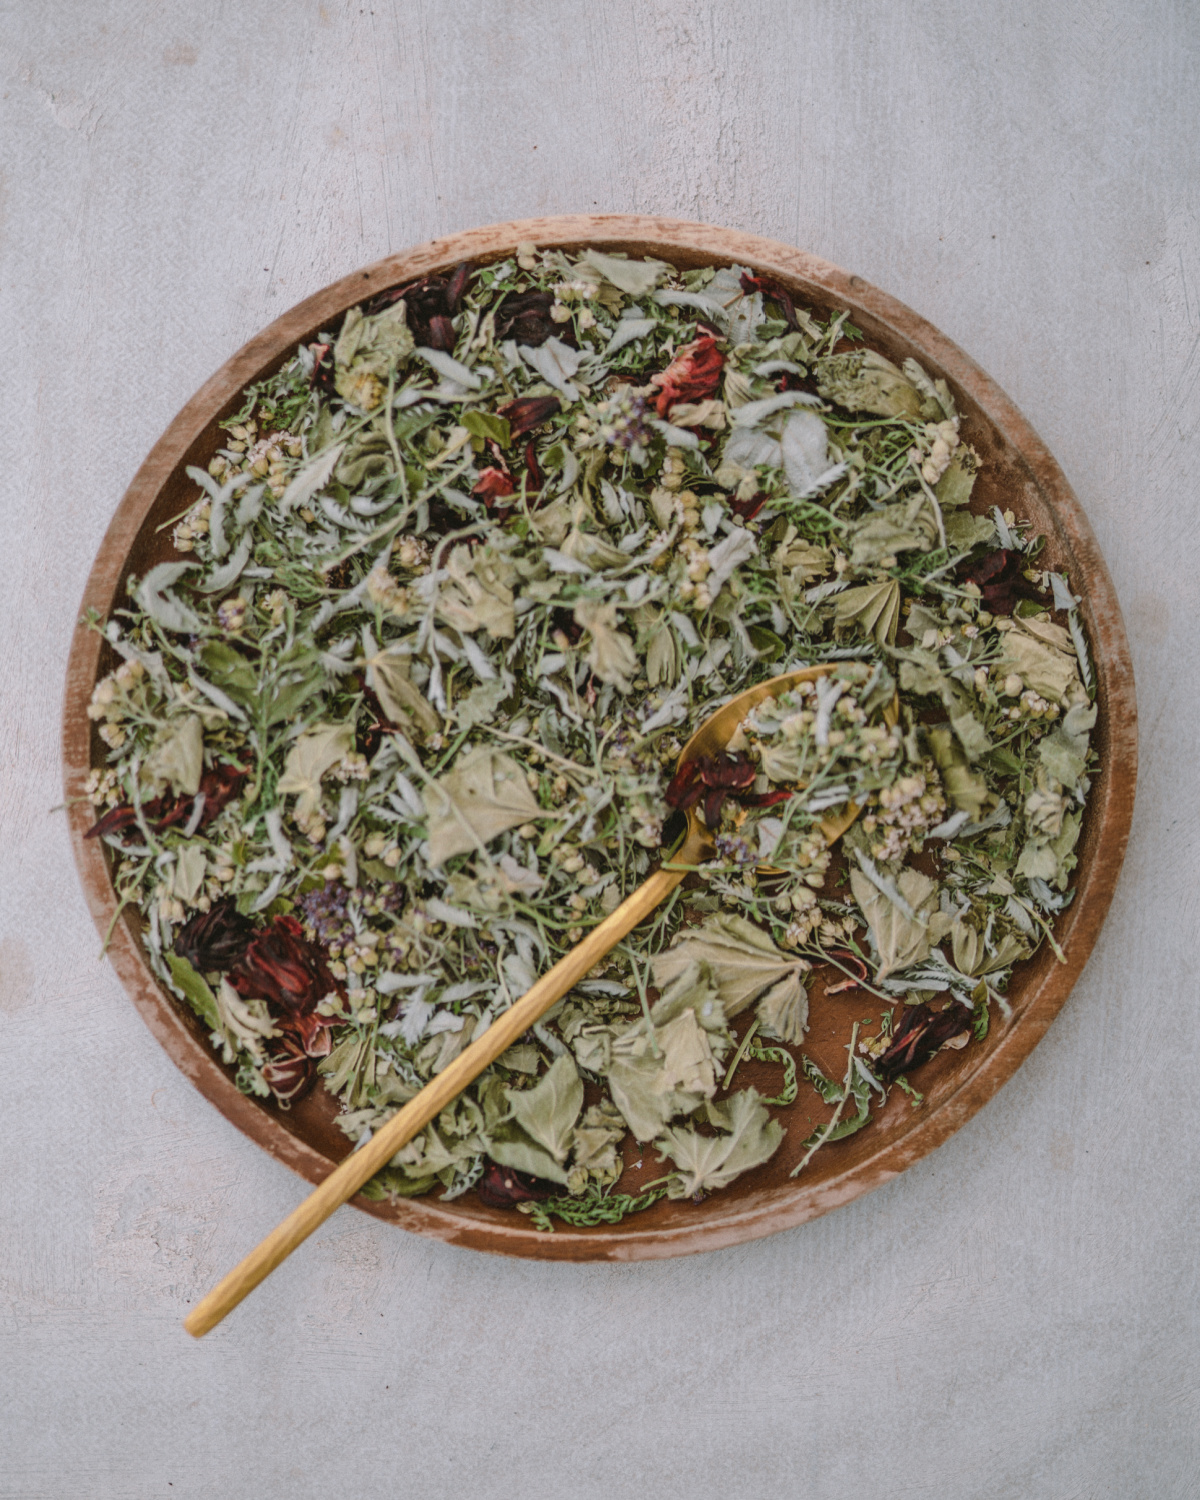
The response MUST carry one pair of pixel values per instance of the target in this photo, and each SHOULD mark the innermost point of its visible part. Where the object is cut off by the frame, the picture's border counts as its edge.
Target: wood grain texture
(1015, 1317)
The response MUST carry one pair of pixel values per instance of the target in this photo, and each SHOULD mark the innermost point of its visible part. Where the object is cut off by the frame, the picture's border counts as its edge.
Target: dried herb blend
(402, 721)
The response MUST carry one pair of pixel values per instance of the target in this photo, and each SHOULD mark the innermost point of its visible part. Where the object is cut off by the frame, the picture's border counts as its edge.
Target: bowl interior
(1017, 472)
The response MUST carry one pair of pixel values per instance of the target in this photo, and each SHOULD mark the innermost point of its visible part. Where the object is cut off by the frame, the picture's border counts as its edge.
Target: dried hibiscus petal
(749, 508)
(288, 1071)
(528, 412)
(282, 967)
(692, 375)
(525, 317)
(505, 1187)
(919, 1034)
(441, 333)
(1000, 578)
(493, 484)
(456, 287)
(218, 786)
(215, 939)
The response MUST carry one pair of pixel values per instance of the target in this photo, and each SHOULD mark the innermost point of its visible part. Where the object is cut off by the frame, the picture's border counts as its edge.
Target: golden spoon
(346, 1179)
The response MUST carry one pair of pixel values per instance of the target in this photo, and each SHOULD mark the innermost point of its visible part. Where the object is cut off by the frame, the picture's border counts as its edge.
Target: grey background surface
(1016, 1316)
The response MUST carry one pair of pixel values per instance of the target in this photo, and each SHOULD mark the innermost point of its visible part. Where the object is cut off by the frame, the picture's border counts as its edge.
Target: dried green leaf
(314, 754)
(401, 701)
(611, 655)
(478, 594)
(368, 351)
(634, 277)
(484, 795)
(866, 381)
(966, 788)
(964, 530)
(874, 608)
(741, 957)
(195, 987)
(901, 939)
(908, 526)
(706, 1162)
(783, 1010)
(1063, 752)
(1032, 652)
(547, 1112)
(177, 759)
(955, 486)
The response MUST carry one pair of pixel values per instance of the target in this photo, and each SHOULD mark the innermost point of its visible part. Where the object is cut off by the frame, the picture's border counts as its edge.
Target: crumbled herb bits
(400, 722)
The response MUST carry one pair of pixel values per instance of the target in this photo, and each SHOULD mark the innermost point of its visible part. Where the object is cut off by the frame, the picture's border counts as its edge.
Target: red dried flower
(531, 468)
(441, 333)
(525, 317)
(505, 1187)
(1000, 576)
(283, 968)
(712, 777)
(918, 1036)
(748, 509)
(214, 939)
(218, 786)
(288, 1071)
(456, 287)
(692, 375)
(528, 412)
(492, 485)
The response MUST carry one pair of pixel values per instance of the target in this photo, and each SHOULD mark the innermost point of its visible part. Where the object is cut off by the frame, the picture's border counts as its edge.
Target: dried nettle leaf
(741, 958)
(904, 919)
(484, 795)
(748, 1138)
(313, 756)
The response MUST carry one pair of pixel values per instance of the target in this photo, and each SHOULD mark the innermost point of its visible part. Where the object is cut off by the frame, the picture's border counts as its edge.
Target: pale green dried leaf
(177, 759)
(611, 654)
(742, 959)
(783, 1010)
(899, 939)
(706, 1163)
(873, 607)
(483, 796)
(634, 277)
(866, 381)
(1063, 752)
(1040, 664)
(312, 756)
(547, 1112)
(401, 700)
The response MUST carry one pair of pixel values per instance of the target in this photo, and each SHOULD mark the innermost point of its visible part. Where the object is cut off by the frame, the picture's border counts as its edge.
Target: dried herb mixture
(400, 722)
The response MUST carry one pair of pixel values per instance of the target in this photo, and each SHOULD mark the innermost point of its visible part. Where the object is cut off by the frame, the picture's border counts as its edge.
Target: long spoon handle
(346, 1179)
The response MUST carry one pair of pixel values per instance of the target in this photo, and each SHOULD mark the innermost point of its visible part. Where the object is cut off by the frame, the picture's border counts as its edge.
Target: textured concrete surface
(1016, 1316)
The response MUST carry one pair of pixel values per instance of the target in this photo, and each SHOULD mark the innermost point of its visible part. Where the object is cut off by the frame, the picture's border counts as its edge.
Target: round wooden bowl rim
(1110, 807)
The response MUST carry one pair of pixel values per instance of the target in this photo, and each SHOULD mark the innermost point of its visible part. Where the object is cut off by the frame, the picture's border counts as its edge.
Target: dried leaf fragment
(483, 796)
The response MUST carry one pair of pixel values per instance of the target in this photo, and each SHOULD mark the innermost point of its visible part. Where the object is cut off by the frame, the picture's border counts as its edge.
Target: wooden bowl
(1018, 472)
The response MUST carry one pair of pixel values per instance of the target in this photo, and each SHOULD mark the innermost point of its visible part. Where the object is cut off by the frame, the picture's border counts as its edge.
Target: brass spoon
(346, 1179)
